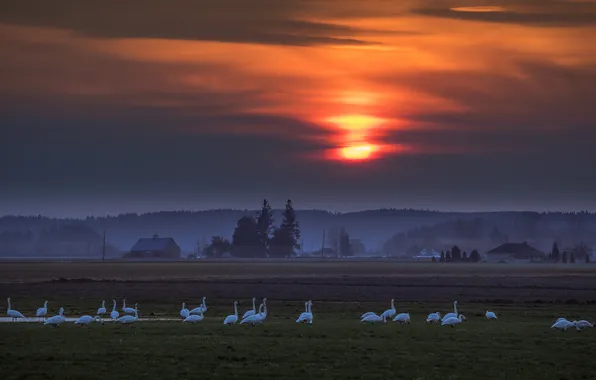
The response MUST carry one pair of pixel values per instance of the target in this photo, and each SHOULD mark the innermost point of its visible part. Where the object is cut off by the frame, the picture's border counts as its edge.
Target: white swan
(562, 325)
(85, 320)
(56, 320)
(233, 318)
(390, 313)
(263, 315)
(184, 313)
(561, 319)
(42, 311)
(580, 325)
(452, 321)
(402, 318)
(307, 315)
(433, 317)
(490, 315)
(194, 318)
(114, 314)
(128, 319)
(253, 319)
(251, 312)
(451, 315)
(368, 314)
(128, 310)
(102, 310)
(374, 319)
(201, 308)
(13, 313)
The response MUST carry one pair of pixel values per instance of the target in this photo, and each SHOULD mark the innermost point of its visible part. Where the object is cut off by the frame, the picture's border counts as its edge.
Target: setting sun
(357, 152)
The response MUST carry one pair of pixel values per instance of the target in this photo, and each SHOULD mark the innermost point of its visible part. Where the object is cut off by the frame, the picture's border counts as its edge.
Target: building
(154, 248)
(426, 255)
(514, 253)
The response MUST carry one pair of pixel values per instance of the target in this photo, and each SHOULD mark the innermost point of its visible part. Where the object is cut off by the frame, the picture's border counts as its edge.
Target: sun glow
(357, 152)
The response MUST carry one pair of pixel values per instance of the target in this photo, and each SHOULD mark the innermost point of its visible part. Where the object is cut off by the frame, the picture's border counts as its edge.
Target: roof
(153, 244)
(518, 250)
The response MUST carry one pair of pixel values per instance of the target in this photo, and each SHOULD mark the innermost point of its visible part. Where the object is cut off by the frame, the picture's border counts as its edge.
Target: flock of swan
(256, 317)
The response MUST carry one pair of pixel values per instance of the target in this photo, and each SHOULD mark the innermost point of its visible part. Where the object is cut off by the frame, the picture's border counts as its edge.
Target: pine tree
(587, 258)
(442, 258)
(564, 258)
(246, 241)
(455, 253)
(555, 254)
(572, 258)
(474, 256)
(345, 248)
(286, 238)
(264, 220)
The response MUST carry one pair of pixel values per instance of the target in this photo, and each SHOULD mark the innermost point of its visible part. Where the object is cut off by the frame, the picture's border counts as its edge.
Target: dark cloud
(261, 21)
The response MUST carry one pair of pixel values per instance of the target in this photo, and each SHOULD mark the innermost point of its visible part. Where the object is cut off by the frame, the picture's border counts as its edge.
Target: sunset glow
(357, 152)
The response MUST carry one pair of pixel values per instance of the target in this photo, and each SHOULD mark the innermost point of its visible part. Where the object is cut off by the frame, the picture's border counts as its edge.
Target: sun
(357, 152)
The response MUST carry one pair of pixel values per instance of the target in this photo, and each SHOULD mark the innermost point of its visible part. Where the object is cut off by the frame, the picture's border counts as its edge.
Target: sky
(142, 105)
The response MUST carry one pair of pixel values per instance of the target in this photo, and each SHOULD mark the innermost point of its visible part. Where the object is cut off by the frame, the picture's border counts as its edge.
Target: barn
(515, 253)
(154, 248)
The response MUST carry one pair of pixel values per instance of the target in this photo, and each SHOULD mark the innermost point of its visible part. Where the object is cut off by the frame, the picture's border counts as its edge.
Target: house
(154, 248)
(514, 253)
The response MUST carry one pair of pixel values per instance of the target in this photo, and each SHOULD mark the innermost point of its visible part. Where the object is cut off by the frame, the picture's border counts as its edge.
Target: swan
(368, 314)
(390, 313)
(306, 316)
(374, 319)
(452, 321)
(263, 315)
(128, 310)
(433, 317)
(490, 315)
(562, 325)
(233, 318)
(184, 313)
(56, 320)
(253, 319)
(42, 311)
(194, 318)
(251, 312)
(580, 325)
(114, 314)
(128, 319)
(85, 320)
(102, 310)
(201, 308)
(402, 318)
(561, 319)
(451, 315)
(13, 313)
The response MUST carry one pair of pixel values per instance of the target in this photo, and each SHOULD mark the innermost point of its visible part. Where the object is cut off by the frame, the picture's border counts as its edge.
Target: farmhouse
(154, 248)
(514, 253)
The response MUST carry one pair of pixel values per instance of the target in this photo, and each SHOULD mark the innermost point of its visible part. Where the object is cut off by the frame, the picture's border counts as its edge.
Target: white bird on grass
(128, 319)
(42, 311)
(374, 319)
(580, 325)
(490, 315)
(233, 318)
(253, 319)
(56, 320)
(114, 314)
(194, 318)
(433, 317)
(201, 308)
(184, 313)
(85, 320)
(451, 315)
(390, 313)
(13, 313)
(402, 318)
(452, 321)
(102, 310)
(128, 310)
(307, 316)
(562, 325)
(251, 312)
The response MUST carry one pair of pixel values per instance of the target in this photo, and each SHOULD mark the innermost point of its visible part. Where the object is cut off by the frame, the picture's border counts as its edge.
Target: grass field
(520, 345)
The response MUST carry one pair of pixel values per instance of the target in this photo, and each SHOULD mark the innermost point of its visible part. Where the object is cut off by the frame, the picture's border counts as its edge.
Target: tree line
(455, 254)
(257, 237)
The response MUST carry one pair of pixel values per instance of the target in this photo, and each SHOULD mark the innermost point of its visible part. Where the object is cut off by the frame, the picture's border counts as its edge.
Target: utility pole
(103, 249)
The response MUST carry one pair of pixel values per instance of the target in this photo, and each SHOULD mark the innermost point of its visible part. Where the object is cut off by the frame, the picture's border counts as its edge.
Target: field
(519, 345)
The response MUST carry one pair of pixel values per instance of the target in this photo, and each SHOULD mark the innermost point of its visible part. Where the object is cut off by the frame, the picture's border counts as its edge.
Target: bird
(114, 314)
(562, 325)
(56, 320)
(128, 319)
(402, 318)
(374, 319)
(450, 315)
(433, 317)
(85, 320)
(253, 319)
(102, 310)
(42, 311)
(368, 314)
(13, 313)
(233, 318)
(201, 308)
(490, 315)
(452, 321)
(184, 311)
(128, 310)
(251, 312)
(194, 318)
(389, 313)
(307, 316)
(580, 325)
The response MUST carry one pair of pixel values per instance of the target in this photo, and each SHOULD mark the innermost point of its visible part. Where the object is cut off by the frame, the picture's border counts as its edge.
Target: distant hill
(389, 230)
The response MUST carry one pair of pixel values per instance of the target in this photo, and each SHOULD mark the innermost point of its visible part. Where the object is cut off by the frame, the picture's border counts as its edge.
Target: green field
(519, 345)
